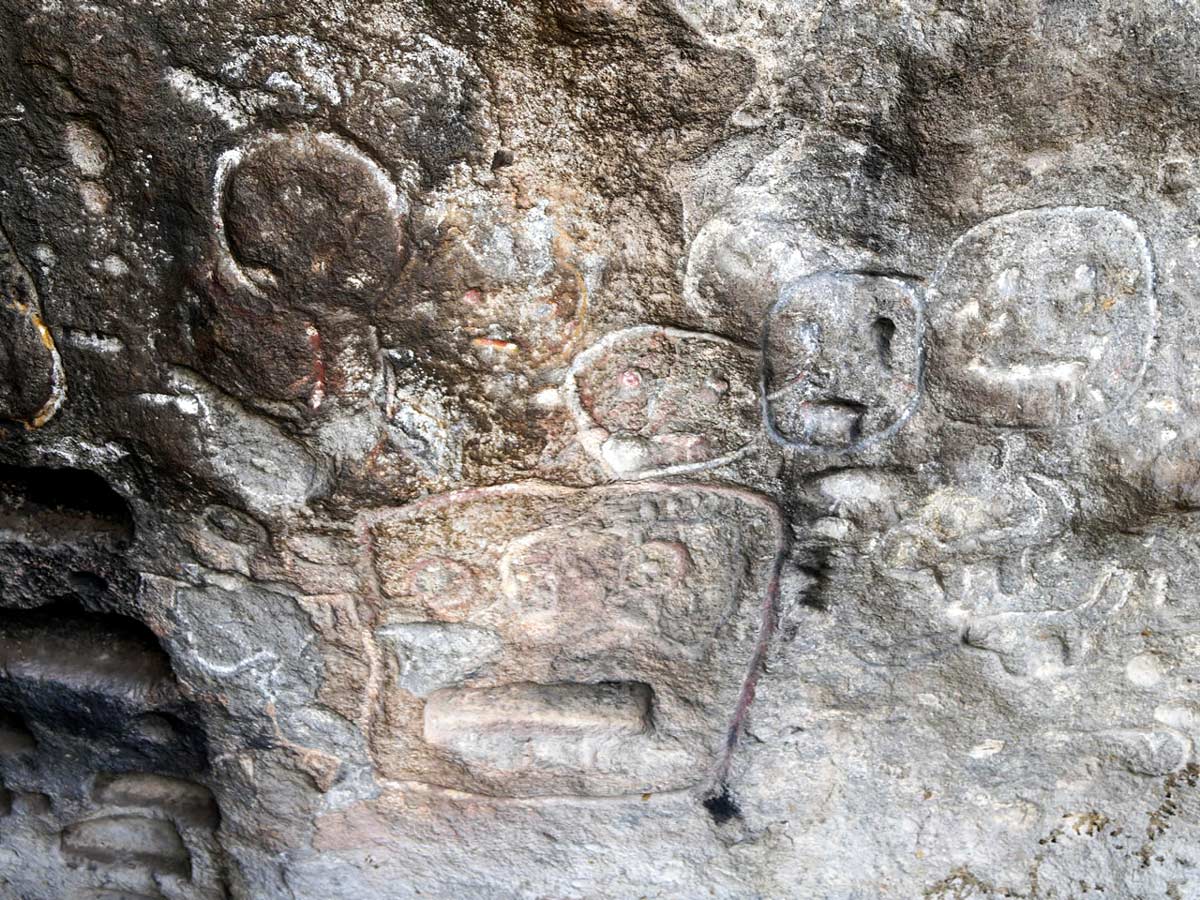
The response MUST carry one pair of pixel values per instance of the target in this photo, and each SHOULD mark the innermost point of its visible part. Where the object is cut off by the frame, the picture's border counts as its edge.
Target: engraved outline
(917, 299)
(769, 611)
(585, 425)
(1146, 253)
(227, 164)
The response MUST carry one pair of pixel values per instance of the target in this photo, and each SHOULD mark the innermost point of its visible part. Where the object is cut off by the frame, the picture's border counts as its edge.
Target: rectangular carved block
(568, 709)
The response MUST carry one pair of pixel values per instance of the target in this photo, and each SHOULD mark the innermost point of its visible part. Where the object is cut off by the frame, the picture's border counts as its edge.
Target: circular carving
(308, 215)
(652, 401)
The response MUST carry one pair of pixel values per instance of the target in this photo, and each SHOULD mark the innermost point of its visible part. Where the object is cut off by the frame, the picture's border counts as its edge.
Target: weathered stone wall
(586, 448)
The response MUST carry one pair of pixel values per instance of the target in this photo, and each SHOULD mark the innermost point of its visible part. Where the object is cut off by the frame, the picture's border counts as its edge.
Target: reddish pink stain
(318, 368)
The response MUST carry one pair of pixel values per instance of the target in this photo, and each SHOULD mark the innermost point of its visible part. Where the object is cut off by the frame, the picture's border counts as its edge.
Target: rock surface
(634, 448)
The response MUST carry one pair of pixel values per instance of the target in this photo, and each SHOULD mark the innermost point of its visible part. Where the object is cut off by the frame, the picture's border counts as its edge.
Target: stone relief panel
(1042, 318)
(541, 641)
(843, 361)
(519, 279)
(299, 217)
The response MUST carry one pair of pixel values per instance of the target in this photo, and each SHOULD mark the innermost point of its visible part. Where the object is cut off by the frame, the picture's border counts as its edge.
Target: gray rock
(599, 448)
(432, 655)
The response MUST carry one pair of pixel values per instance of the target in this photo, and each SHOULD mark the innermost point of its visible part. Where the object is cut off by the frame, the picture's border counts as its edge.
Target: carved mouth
(510, 726)
(1057, 373)
(829, 422)
(1032, 396)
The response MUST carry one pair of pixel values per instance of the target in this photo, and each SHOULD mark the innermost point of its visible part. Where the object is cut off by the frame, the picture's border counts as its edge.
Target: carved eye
(656, 563)
(884, 330)
(444, 586)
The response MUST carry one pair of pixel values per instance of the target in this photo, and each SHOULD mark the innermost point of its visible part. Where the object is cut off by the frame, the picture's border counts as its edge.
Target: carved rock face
(1043, 318)
(604, 638)
(310, 218)
(843, 361)
(598, 448)
(658, 401)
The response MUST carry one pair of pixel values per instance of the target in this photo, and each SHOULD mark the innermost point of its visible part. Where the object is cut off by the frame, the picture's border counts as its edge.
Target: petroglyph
(281, 224)
(1042, 318)
(414, 418)
(651, 401)
(630, 621)
(843, 361)
(1033, 622)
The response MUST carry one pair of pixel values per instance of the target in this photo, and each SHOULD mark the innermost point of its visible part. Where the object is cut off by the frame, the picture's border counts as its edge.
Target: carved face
(842, 364)
(604, 646)
(1041, 318)
(653, 401)
(308, 216)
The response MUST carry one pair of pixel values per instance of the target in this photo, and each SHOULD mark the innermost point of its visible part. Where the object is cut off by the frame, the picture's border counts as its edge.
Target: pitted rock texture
(599, 448)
